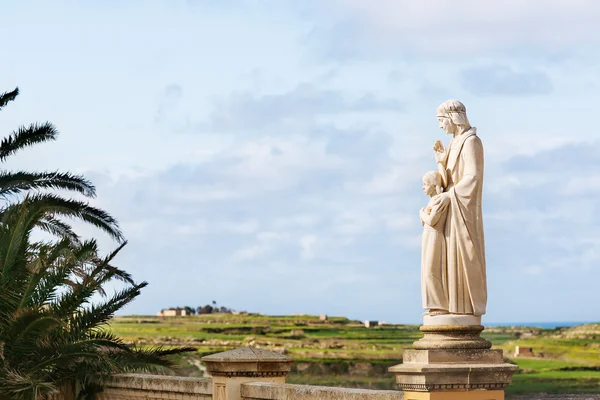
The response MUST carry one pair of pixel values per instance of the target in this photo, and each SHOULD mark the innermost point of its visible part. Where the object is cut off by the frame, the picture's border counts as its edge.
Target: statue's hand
(439, 151)
(442, 199)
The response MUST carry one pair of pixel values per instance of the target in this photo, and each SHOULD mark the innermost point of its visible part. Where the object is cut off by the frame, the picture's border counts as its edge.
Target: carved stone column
(232, 368)
(453, 363)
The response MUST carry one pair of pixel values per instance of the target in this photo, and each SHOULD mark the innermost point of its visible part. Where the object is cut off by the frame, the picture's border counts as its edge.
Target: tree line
(207, 309)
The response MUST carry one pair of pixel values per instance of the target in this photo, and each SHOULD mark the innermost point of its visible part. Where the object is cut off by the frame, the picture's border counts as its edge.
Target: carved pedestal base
(452, 337)
(453, 362)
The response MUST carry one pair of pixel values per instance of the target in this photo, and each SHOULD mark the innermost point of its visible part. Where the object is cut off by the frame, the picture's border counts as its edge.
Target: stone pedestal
(452, 363)
(232, 368)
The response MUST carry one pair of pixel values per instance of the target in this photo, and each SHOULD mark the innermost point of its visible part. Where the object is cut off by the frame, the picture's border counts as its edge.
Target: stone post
(232, 368)
(452, 362)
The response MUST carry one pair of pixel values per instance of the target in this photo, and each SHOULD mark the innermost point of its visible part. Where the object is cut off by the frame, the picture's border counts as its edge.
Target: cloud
(248, 111)
(304, 227)
(548, 215)
(266, 207)
(362, 28)
(265, 243)
(392, 181)
(267, 171)
(168, 111)
(570, 158)
(361, 142)
(307, 244)
(298, 221)
(499, 80)
(243, 227)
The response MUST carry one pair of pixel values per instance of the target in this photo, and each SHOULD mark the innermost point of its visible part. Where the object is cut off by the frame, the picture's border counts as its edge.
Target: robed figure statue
(461, 170)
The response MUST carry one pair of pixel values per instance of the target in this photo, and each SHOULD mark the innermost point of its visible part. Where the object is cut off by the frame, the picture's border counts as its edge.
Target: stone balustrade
(282, 391)
(255, 374)
(141, 386)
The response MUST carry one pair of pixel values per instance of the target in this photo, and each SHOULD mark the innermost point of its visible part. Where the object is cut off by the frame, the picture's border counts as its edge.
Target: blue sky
(268, 154)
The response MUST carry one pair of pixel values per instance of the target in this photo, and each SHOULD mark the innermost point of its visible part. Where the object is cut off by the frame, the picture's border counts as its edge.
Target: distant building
(370, 324)
(323, 318)
(173, 312)
(521, 351)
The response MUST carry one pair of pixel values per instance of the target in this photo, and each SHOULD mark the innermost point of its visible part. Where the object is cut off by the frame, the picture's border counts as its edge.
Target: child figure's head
(432, 183)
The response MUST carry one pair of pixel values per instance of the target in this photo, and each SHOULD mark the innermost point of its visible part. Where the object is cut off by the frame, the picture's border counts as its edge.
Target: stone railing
(282, 391)
(254, 374)
(140, 386)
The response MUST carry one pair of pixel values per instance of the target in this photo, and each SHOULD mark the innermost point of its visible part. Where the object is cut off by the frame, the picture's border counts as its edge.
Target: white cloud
(248, 110)
(276, 163)
(265, 243)
(307, 244)
(401, 221)
(354, 223)
(245, 227)
(205, 194)
(190, 229)
(434, 27)
(588, 184)
(297, 221)
(392, 181)
(533, 270)
(311, 175)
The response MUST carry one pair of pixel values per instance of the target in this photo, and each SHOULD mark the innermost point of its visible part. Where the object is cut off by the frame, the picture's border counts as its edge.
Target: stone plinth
(452, 320)
(232, 368)
(452, 337)
(453, 362)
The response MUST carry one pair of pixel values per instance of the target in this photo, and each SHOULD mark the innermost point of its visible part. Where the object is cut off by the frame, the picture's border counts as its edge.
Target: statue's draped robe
(434, 282)
(464, 226)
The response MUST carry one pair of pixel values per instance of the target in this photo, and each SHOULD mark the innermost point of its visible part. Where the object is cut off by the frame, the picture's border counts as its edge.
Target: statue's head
(452, 116)
(432, 183)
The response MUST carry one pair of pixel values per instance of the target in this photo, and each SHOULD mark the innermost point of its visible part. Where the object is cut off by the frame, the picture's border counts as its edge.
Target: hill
(342, 352)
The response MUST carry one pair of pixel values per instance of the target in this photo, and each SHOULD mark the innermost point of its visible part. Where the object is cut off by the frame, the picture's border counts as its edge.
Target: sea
(544, 325)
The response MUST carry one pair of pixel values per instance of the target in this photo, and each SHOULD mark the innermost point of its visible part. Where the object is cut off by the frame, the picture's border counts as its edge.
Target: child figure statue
(434, 280)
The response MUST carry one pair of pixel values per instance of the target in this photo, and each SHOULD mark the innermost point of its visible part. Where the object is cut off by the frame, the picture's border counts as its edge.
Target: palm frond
(18, 385)
(97, 314)
(58, 228)
(26, 136)
(51, 205)
(7, 97)
(17, 182)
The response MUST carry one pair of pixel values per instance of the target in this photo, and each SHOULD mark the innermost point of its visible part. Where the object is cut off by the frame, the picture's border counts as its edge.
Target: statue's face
(447, 125)
(428, 187)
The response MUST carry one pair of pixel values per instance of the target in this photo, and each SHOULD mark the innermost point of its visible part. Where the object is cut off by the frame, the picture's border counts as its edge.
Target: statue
(452, 360)
(434, 281)
(460, 168)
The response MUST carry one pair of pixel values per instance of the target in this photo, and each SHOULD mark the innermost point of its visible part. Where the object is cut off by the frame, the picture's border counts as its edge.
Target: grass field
(341, 352)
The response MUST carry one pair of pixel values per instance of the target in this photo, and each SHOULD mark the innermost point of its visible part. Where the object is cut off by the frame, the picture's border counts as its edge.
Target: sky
(268, 154)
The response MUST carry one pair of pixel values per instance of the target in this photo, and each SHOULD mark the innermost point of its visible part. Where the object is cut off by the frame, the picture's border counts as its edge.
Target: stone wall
(283, 391)
(139, 386)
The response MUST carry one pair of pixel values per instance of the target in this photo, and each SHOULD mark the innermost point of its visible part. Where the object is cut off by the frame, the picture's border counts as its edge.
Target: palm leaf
(17, 182)
(26, 136)
(51, 205)
(7, 97)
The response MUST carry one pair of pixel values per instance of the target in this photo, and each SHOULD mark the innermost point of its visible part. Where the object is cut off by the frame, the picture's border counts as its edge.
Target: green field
(341, 352)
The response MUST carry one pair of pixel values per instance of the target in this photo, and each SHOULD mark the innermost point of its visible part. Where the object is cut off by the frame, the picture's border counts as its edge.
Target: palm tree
(51, 333)
(52, 327)
(13, 184)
